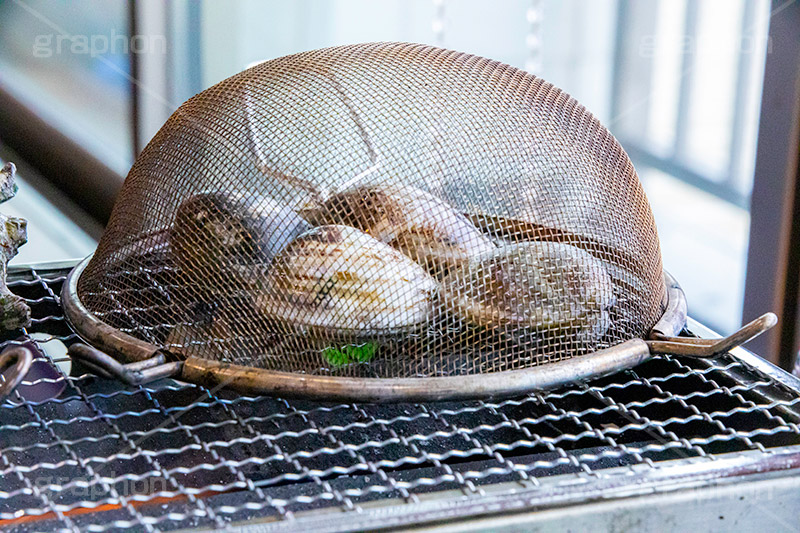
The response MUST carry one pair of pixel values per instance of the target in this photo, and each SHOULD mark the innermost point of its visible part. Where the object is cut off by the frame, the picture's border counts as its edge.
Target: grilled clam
(544, 286)
(223, 241)
(420, 225)
(335, 281)
(512, 230)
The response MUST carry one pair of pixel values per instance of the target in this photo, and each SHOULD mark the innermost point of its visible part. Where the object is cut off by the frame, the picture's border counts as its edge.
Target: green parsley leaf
(350, 353)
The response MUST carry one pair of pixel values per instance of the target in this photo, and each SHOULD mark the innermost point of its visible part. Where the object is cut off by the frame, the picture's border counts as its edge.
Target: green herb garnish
(351, 353)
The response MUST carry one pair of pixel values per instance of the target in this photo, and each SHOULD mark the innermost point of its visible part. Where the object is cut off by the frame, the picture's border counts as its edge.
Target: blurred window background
(679, 83)
(69, 62)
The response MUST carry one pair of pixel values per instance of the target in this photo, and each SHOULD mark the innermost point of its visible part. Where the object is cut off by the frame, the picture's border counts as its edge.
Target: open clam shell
(543, 286)
(425, 228)
(335, 281)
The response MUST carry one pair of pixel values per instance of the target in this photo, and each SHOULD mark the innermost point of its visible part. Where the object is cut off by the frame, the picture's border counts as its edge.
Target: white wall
(577, 38)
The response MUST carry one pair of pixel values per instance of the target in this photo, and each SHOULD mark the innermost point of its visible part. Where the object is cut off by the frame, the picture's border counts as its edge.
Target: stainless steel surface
(170, 455)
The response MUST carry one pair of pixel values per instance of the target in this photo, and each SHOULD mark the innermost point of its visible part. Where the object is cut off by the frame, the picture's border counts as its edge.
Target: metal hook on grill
(19, 359)
(694, 347)
(137, 373)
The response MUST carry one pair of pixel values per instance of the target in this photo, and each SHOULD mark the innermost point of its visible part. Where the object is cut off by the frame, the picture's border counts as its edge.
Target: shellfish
(335, 280)
(221, 240)
(425, 228)
(533, 285)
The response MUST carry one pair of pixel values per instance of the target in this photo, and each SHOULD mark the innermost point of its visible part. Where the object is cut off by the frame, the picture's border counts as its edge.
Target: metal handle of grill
(695, 347)
(19, 360)
(137, 373)
(663, 340)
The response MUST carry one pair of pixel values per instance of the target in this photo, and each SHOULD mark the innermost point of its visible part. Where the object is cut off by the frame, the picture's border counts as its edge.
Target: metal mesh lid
(385, 210)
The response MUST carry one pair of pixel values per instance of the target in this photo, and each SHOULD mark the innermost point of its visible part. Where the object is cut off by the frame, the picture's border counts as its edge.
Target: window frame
(773, 259)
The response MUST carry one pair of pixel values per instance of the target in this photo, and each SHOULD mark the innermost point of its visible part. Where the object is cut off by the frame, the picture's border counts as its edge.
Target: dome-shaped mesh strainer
(353, 217)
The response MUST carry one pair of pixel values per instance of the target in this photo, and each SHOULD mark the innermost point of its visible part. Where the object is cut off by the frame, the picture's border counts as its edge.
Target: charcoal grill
(714, 442)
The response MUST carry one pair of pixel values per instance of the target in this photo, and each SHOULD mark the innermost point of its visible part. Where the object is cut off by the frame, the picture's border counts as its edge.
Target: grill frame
(682, 480)
(541, 480)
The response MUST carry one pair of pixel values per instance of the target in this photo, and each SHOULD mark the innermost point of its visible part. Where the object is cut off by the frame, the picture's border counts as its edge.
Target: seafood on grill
(336, 280)
(544, 286)
(529, 285)
(222, 240)
(222, 330)
(511, 230)
(330, 280)
(231, 334)
(205, 335)
(423, 227)
(363, 276)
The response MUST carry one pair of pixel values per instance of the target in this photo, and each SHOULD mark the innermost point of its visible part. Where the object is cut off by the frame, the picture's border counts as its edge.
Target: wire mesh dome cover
(380, 210)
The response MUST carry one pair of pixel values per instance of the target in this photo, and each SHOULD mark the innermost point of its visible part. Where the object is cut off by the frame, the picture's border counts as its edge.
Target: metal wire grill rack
(97, 456)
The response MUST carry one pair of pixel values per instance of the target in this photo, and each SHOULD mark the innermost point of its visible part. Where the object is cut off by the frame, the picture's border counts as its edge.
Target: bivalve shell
(222, 241)
(335, 281)
(533, 285)
(425, 228)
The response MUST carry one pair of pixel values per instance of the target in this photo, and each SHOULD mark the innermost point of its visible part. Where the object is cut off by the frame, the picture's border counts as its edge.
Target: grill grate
(169, 455)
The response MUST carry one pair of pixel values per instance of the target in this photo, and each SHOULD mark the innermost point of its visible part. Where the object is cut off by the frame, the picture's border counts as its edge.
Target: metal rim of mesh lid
(146, 361)
(257, 380)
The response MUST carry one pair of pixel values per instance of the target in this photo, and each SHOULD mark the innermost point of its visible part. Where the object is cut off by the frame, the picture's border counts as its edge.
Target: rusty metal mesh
(387, 210)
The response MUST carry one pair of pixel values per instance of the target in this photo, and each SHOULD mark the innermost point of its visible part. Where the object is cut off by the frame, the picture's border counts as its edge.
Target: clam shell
(425, 228)
(217, 237)
(514, 229)
(533, 285)
(337, 281)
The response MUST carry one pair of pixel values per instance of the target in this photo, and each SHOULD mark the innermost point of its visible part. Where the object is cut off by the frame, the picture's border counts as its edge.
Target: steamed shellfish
(425, 228)
(224, 240)
(533, 285)
(336, 280)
